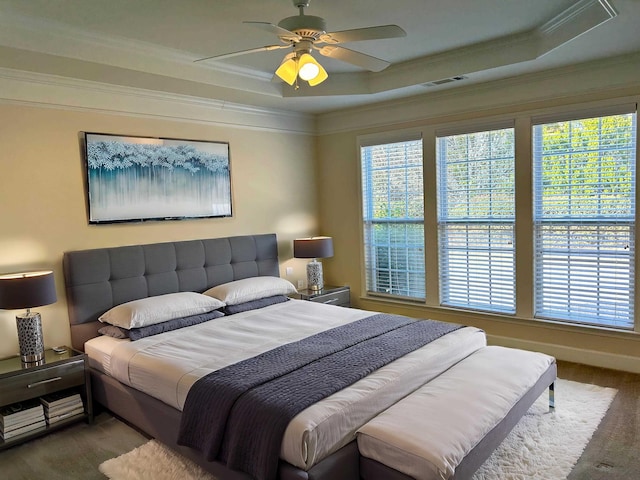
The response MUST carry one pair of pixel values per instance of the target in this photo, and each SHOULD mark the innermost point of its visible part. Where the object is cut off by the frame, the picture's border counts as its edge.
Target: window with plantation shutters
(476, 216)
(393, 211)
(584, 219)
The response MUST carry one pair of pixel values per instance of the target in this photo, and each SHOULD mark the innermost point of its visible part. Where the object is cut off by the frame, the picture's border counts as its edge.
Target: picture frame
(135, 179)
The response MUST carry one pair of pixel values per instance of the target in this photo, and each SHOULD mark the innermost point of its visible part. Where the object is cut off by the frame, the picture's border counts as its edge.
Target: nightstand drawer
(340, 298)
(30, 384)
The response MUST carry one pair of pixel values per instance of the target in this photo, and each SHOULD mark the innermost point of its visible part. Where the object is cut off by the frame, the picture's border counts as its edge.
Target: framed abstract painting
(133, 179)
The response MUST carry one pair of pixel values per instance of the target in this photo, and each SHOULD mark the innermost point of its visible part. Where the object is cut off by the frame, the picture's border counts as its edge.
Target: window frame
(583, 223)
(443, 221)
(373, 141)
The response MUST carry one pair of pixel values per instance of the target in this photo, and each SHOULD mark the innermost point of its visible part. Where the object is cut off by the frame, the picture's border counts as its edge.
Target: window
(570, 195)
(476, 217)
(584, 219)
(393, 211)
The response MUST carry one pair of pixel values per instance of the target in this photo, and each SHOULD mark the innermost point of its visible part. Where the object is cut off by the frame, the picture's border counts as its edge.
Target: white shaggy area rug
(546, 445)
(543, 446)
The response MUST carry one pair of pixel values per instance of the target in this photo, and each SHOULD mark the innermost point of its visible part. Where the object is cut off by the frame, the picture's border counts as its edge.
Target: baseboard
(570, 354)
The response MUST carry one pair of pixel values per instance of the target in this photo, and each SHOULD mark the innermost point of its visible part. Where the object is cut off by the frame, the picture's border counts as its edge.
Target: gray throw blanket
(238, 414)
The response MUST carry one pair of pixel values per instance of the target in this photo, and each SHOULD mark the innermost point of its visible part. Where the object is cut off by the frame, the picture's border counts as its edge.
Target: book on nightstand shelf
(53, 400)
(19, 418)
(57, 416)
(61, 405)
(7, 434)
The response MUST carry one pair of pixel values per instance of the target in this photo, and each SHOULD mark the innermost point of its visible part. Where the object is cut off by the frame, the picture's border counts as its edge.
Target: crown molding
(36, 89)
(597, 10)
(576, 20)
(596, 76)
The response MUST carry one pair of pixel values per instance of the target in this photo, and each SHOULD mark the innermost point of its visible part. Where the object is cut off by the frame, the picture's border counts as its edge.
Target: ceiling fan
(304, 33)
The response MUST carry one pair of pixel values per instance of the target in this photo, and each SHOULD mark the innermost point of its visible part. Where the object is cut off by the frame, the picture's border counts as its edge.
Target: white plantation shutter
(476, 215)
(393, 211)
(584, 219)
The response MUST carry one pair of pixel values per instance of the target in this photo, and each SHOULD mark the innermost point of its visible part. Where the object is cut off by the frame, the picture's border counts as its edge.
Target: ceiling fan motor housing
(307, 26)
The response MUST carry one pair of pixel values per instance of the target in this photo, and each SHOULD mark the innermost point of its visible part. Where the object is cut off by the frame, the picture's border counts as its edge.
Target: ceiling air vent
(444, 81)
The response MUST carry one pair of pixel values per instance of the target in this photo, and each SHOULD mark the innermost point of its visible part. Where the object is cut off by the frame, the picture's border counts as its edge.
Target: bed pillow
(253, 288)
(157, 328)
(152, 310)
(254, 304)
(175, 324)
(113, 331)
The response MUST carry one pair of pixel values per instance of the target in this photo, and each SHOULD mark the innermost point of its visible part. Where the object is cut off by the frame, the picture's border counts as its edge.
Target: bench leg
(552, 400)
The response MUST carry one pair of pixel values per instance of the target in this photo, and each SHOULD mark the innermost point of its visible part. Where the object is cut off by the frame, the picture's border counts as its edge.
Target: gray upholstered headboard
(99, 279)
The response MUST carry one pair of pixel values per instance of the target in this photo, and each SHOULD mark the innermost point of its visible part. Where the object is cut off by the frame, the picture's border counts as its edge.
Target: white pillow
(252, 288)
(152, 310)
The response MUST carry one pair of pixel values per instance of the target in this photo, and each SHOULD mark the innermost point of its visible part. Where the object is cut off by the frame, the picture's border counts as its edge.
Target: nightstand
(65, 371)
(340, 296)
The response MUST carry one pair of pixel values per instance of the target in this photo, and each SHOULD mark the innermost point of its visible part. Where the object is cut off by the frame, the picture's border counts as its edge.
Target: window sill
(421, 308)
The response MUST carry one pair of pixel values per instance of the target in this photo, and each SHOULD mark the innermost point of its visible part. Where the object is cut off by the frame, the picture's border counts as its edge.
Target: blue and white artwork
(138, 178)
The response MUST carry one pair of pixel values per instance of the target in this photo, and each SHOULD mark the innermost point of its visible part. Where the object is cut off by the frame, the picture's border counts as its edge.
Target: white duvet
(166, 365)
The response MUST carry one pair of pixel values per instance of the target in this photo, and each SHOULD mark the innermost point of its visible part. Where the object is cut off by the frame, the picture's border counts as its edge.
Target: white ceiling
(152, 44)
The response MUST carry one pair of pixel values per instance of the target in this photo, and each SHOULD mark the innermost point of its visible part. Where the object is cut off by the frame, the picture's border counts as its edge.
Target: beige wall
(42, 195)
(277, 177)
(340, 216)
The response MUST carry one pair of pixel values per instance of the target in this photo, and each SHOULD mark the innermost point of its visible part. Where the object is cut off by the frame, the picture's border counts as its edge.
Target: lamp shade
(26, 290)
(314, 247)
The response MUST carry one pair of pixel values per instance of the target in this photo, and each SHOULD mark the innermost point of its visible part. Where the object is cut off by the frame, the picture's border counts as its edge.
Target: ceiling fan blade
(244, 52)
(355, 58)
(359, 34)
(282, 33)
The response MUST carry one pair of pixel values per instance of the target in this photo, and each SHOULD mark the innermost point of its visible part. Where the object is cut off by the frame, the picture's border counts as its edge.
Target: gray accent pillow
(113, 331)
(157, 328)
(254, 304)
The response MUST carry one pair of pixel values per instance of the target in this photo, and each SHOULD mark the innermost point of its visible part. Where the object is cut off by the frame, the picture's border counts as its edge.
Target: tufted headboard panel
(97, 280)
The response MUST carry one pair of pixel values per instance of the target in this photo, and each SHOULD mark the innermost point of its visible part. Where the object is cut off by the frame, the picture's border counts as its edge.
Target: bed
(319, 442)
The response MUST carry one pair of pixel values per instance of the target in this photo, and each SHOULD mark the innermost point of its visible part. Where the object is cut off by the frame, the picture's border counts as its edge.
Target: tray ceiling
(152, 44)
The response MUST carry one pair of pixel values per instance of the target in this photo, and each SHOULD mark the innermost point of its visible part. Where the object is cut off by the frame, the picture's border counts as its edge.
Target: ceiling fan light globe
(288, 70)
(321, 77)
(309, 68)
(308, 71)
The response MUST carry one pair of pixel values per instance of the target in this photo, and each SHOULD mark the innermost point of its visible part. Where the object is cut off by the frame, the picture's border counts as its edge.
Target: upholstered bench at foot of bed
(450, 426)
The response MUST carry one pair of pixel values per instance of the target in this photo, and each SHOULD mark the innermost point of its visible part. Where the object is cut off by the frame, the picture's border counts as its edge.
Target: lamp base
(30, 337)
(314, 275)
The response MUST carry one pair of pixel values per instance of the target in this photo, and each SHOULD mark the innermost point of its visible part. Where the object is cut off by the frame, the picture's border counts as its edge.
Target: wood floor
(614, 451)
(70, 454)
(75, 453)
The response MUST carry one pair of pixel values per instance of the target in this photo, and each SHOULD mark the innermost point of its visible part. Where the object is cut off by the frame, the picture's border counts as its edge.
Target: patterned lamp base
(314, 275)
(30, 337)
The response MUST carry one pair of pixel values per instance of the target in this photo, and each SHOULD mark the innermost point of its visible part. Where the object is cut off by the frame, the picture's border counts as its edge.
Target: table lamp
(314, 247)
(27, 290)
